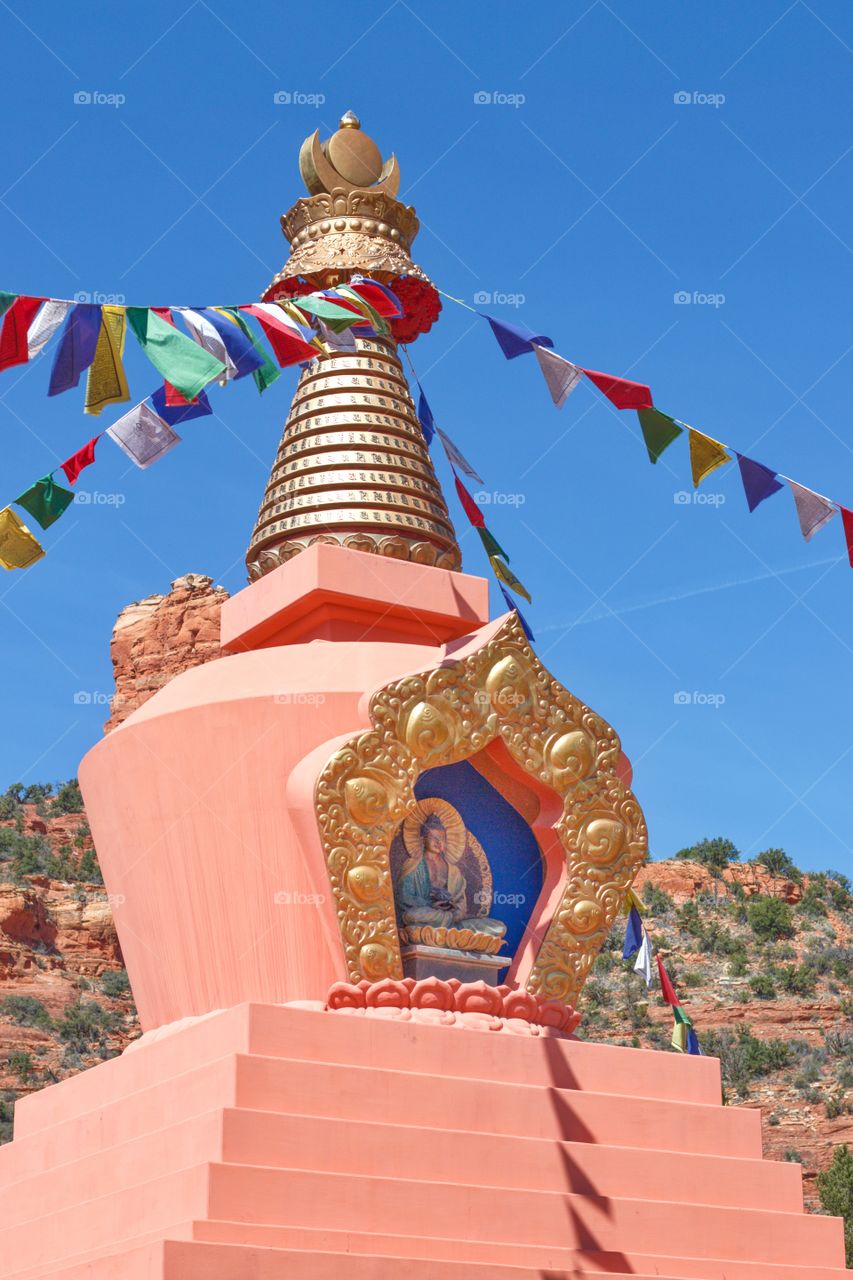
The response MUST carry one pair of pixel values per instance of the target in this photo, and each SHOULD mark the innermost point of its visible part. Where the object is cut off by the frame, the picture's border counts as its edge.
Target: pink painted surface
(269, 1141)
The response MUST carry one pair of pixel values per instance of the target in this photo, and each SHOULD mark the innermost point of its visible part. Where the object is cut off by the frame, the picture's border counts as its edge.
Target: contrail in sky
(602, 614)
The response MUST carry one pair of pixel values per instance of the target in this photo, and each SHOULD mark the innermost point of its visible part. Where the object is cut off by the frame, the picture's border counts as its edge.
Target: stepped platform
(272, 1142)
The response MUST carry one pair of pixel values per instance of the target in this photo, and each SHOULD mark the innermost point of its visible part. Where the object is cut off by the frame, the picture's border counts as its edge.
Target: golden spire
(352, 466)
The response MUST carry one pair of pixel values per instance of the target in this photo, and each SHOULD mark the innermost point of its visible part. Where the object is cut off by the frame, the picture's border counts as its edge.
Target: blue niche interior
(510, 846)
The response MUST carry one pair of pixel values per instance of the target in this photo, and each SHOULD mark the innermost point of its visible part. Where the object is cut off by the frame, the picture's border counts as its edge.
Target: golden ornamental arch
(448, 714)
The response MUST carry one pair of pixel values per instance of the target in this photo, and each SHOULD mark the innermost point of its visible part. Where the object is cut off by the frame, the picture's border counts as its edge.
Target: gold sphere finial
(348, 161)
(349, 120)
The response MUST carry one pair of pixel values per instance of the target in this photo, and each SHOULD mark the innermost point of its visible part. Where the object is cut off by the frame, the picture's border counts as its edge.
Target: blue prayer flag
(759, 482)
(241, 349)
(175, 413)
(633, 934)
(693, 1045)
(513, 339)
(425, 417)
(76, 349)
(512, 605)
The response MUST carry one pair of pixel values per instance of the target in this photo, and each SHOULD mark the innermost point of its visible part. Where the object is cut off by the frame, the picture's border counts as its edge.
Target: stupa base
(275, 1141)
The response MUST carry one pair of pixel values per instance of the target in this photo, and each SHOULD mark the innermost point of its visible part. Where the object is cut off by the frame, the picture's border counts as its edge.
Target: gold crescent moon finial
(349, 161)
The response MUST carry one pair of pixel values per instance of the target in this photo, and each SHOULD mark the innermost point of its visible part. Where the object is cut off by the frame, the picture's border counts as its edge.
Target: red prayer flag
(82, 458)
(472, 511)
(847, 520)
(286, 341)
(13, 336)
(620, 391)
(665, 985)
(375, 297)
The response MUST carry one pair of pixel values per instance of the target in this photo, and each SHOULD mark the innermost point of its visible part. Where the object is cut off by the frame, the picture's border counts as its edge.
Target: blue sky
(629, 154)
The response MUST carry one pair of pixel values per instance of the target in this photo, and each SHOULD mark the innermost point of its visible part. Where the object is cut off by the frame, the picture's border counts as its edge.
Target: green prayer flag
(6, 300)
(379, 323)
(681, 1016)
(180, 360)
(266, 375)
(659, 430)
(45, 501)
(326, 309)
(490, 542)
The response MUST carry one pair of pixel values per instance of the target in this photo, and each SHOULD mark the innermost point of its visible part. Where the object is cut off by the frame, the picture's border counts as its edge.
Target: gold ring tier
(353, 468)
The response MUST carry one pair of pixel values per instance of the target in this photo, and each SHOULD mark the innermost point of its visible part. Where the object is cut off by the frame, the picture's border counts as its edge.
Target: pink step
(277, 1084)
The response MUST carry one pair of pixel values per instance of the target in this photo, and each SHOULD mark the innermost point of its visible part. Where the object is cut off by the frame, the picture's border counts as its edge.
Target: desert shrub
(693, 978)
(22, 1065)
(744, 1058)
(88, 869)
(778, 863)
(715, 854)
(793, 1156)
(84, 1024)
(813, 901)
(657, 901)
(67, 799)
(6, 1109)
(797, 979)
(835, 1188)
(762, 987)
(26, 1011)
(595, 993)
(770, 918)
(114, 982)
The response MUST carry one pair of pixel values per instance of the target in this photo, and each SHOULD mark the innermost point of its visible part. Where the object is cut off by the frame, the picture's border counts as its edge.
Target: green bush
(813, 901)
(85, 1024)
(835, 1188)
(762, 987)
(114, 982)
(22, 1065)
(770, 918)
(26, 1011)
(778, 863)
(797, 979)
(715, 854)
(657, 901)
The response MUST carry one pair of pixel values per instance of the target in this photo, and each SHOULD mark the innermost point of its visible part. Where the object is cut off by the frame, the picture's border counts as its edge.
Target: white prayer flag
(143, 435)
(455, 456)
(45, 326)
(561, 376)
(813, 510)
(643, 962)
(337, 341)
(205, 334)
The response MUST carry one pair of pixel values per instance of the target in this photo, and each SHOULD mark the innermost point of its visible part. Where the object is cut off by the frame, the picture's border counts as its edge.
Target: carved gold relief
(449, 714)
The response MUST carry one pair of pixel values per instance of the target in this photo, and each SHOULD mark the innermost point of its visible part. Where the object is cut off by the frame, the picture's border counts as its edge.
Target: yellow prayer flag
(18, 548)
(508, 578)
(679, 1037)
(705, 455)
(107, 382)
(631, 900)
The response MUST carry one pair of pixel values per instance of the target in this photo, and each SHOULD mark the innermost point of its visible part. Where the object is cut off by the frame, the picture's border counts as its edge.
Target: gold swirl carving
(501, 691)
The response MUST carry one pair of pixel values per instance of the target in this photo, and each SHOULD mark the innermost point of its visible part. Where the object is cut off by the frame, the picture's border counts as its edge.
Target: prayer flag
(182, 362)
(240, 348)
(515, 340)
(45, 325)
(458, 459)
(175, 414)
(325, 308)
(143, 436)
(13, 335)
(472, 511)
(813, 510)
(643, 963)
(508, 578)
(490, 542)
(561, 376)
(379, 297)
(107, 381)
(693, 1045)
(267, 373)
(18, 547)
(759, 482)
(665, 985)
(633, 934)
(621, 392)
(680, 1015)
(679, 1037)
(632, 900)
(847, 521)
(82, 458)
(425, 417)
(77, 345)
(202, 331)
(288, 344)
(371, 317)
(45, 501)
(659, 430)
(512, 605)
(343, 341)
(705, 455)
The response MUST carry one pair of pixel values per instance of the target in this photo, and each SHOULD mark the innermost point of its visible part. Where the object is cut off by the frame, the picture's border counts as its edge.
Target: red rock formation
(683, 880)
(160, 636)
